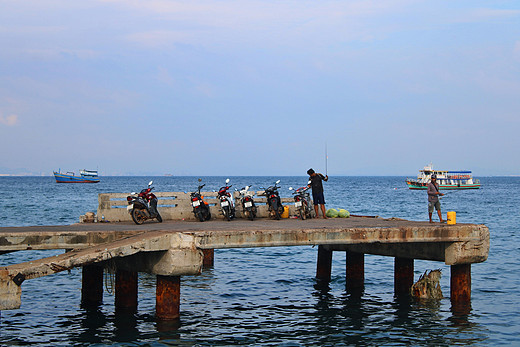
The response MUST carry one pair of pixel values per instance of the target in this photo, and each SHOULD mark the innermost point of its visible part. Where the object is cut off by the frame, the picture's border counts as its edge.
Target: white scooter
(227, 205)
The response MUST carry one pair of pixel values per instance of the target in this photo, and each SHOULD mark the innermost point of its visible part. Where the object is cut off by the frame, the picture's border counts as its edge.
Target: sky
(233, 88)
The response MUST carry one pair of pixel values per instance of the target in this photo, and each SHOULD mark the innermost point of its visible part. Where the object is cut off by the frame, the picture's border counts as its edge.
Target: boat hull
(424, 186)
(66, 178)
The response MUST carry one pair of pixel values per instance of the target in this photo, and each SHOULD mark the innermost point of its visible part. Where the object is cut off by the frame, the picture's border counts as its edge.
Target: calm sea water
(268, 296)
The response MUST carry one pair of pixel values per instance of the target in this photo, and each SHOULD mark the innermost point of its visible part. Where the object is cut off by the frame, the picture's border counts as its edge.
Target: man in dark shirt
(433, 198)
(317, 190)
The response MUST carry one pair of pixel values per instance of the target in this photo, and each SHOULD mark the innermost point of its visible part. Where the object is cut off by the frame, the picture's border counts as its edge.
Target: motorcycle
(248, 204)
(143, 206)
(274, 202)
(302, 202)
(227, 206)
(200, 207)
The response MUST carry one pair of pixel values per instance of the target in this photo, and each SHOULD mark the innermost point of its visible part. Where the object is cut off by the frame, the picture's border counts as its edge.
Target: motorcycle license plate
(224, 203)
(248, 204)
(196, 203)
(298, 203)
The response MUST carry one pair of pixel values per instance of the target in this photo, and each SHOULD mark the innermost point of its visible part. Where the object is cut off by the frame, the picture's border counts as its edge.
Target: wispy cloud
(11, 120)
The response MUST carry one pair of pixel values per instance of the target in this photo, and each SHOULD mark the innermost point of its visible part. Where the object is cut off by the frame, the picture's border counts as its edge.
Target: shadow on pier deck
(179, 248)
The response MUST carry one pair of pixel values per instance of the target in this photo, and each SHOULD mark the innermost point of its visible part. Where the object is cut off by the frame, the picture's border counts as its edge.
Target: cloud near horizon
(10, 120)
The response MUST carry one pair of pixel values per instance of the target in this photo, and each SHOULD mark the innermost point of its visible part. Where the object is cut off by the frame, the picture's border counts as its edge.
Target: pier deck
(176, 248)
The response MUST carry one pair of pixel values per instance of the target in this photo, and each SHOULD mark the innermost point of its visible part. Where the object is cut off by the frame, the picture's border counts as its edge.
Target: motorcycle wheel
(201, 216)
(137, 216)
(251, 214)
(159, 218)
(208, 215)
(226, 212)
(276, 210)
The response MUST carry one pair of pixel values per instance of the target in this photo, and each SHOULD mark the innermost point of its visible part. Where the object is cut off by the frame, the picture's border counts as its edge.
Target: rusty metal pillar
(91, 285)
(355, 272)
(403, 276)
(460, 284)
(126, 290)
(209, 256)
(324, 264)
(167, 297)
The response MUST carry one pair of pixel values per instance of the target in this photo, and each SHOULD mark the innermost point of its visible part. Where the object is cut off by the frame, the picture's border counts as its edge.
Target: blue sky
(259, 87)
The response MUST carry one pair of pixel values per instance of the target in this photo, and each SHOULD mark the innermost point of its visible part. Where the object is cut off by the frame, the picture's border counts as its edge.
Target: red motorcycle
(143, 206)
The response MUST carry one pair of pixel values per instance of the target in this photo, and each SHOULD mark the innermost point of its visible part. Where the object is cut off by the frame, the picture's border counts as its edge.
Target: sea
(269, 296)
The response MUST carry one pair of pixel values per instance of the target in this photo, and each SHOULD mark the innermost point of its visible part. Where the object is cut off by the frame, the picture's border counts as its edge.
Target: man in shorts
(433, 198)
(317, 190)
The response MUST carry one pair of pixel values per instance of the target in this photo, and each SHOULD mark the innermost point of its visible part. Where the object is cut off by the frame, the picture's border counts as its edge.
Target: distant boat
(85, 176)
(445, 179)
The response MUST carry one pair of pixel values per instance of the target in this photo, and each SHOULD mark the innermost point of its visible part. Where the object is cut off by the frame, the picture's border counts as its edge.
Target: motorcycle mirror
(227, 180)
(149, 184)
(290, 188)
(277, 181)
(247, 187)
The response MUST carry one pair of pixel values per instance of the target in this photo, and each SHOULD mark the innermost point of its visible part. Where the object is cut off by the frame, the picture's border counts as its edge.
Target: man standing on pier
(317, 191)
(433, 198)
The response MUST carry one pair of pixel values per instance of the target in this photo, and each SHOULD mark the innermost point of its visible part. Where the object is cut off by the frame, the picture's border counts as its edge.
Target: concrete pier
(181, 248)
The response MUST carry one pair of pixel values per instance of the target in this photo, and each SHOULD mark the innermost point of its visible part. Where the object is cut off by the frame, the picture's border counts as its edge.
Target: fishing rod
(326, 160)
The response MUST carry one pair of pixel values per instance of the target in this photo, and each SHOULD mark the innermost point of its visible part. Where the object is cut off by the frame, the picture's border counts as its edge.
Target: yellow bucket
(285, 213)
(452, 217)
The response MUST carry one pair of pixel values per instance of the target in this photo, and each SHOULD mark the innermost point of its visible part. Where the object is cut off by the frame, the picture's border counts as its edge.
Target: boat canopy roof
(445, 171)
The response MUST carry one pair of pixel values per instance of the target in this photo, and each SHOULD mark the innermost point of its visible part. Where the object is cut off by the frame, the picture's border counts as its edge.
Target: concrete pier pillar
(460, 284)
(403, 276)
(209, 256)
(91, 285)
(168, 294)
(355, 272)
(126, 290)
(324, 264)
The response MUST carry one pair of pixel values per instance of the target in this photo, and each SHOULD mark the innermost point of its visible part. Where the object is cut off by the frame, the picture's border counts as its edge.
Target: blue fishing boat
(85, 176)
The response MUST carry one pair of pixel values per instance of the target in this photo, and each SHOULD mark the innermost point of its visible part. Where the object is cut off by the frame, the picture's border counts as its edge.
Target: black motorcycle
(200, 207)
(274, 202)
(143, 206)
(302, 202)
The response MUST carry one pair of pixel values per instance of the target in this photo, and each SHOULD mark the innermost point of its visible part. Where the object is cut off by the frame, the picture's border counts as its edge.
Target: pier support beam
(324, 264)
(460, 284)
(91, 286)
(168, 295)
(209, 256)
(403, 276)
(355, 272)
(126, 290)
